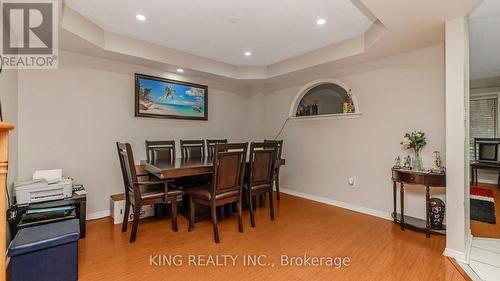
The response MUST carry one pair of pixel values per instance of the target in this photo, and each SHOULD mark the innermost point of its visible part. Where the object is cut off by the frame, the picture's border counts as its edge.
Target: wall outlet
(351, 182)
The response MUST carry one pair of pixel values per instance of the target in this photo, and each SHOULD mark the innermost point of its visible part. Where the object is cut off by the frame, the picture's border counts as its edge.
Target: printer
(46, 185)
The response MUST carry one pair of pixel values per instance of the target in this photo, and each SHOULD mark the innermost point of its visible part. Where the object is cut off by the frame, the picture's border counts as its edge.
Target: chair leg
(214, 222)
(222, 212)
(191, 214)
(271, 204)
(277, 185)
(135, 223)
(125, 214)
(252, 218)
(240, 215)
(261, 200)
(498, 181)
(254, 202)
(174, 215)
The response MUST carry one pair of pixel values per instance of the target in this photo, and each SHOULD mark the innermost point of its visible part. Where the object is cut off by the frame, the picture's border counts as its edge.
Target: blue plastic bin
(45, 252)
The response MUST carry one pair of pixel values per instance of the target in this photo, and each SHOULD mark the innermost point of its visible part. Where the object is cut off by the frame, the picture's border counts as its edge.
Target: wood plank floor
(377, 249)
(487, 230)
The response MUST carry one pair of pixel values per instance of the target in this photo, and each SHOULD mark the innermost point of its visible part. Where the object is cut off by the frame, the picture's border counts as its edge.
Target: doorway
(484, 119)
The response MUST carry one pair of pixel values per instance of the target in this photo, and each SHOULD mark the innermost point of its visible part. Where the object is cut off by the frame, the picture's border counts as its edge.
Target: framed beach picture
(163, 98)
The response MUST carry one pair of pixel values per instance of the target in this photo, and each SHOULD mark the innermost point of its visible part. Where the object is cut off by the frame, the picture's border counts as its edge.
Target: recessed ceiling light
(140, 17)
(180, 70)
(320, 21)
(247, 53)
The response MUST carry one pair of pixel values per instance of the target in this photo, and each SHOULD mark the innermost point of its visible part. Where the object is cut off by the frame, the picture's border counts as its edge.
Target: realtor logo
(29, 34)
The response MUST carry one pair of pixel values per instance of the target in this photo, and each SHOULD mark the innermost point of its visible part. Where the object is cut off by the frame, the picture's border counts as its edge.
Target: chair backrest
(487, 150)
(211, 146)
(229, 167)
(262, 163)
(280, 147)
(160, 150)
(193, 149)
(128, 166)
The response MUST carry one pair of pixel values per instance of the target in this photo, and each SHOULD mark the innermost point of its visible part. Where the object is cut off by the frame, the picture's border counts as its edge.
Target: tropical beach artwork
(164, 98)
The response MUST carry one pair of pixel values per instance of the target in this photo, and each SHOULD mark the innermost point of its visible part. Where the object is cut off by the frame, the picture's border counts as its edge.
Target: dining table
(178, 168)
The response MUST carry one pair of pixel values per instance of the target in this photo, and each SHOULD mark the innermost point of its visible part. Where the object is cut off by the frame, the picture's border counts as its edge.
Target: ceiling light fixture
(140, 17)
(180, 70)
(320, 21)
(247, 53)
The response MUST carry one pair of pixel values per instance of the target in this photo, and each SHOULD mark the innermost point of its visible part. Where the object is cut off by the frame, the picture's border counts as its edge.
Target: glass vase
(416, 162)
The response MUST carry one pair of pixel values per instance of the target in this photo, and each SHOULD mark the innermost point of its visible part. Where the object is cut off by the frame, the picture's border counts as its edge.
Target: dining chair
(138, 194)
(210, 153)
(277, 166)
(260, 178)
(160, 150)
(211, 146)
(193, 149)
(226, 185)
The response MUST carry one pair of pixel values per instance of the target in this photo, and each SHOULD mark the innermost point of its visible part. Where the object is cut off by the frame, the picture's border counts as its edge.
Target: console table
(424, 179)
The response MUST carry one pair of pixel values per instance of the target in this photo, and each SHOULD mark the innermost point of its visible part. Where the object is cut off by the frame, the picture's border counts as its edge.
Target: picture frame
(157, 97)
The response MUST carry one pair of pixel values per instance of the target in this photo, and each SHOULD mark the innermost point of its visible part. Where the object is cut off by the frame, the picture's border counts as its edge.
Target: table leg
(402, 206)
(427, 218)
(83, 218)
(394, 188)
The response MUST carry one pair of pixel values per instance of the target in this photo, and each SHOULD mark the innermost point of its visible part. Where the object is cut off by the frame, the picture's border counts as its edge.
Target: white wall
(8, 97)
(70, 118)
(396, 95)
(457, 138)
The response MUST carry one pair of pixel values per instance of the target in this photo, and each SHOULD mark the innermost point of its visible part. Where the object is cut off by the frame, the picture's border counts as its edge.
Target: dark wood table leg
(427, 218)
(402, 206)
(394, 188)
(83, 217)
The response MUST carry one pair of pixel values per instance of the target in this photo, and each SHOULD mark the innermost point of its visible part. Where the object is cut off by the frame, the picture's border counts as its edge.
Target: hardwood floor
(487, 230)
(377, 249)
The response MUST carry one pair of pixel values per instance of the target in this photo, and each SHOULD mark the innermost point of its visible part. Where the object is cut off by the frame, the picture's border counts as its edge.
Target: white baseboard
(459, 256)
(468, 246)
(98, 215)
(352, 207)
(482, 180)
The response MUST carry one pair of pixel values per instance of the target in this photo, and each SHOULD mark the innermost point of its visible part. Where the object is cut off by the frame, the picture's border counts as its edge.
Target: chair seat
(203, 192)
(261, 187)
(157, 191)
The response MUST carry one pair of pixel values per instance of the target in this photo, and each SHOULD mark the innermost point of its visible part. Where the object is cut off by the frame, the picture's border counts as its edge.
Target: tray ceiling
(223, 30)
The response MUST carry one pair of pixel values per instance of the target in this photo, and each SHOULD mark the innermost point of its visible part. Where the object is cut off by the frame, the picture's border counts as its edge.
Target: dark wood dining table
(181, 168)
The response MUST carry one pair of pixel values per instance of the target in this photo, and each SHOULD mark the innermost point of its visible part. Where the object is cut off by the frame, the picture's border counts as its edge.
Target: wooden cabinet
(4, 163)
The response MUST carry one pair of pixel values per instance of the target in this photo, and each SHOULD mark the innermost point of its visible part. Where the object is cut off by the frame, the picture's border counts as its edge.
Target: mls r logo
(27, 28)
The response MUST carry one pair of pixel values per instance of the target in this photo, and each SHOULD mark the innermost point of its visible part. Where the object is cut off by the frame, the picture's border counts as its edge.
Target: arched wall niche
(324, 98)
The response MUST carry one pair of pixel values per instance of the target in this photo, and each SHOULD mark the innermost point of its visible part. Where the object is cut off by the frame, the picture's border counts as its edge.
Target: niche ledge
(328, 116)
